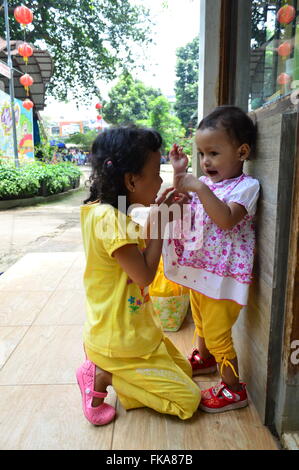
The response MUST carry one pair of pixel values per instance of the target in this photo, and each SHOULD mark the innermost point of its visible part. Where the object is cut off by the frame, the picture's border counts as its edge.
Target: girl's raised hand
(179, 160)
(182, 181)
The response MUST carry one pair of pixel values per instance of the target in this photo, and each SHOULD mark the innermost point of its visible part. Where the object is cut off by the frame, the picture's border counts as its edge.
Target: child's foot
(102, 380)
(200, 365)
(221, 398)
(97, 414)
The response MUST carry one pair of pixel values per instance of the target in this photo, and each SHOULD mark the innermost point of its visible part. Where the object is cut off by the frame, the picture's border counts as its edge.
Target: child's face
(147, 184)
(220, 157)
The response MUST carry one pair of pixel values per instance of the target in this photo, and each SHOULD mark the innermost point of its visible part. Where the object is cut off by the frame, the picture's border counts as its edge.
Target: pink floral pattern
(227, 253)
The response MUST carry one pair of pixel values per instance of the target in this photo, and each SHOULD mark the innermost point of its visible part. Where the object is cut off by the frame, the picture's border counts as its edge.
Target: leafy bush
(36, 178)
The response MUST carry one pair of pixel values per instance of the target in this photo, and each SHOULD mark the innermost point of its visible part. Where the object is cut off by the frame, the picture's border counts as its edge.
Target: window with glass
(274, 54)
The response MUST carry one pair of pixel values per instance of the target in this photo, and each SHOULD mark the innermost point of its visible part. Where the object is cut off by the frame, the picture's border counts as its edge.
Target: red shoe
(220, 398)
(200, 365)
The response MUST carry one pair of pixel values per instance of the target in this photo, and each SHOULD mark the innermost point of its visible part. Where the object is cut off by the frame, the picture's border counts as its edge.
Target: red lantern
(284, 49)
(286, 14)
(99, 117)
(99, 106)
(25, 50)
(283, 79)
(26, 80)
(27, 104)
(23, 15)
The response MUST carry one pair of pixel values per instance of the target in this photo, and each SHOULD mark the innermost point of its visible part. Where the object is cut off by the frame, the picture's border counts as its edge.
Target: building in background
(66, 128)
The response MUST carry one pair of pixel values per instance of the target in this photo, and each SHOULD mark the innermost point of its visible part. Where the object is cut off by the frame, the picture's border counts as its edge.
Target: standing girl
(123, 339)
(219, 269)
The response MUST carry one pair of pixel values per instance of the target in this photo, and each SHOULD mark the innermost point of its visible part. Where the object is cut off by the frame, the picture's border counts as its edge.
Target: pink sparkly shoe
(97, 415)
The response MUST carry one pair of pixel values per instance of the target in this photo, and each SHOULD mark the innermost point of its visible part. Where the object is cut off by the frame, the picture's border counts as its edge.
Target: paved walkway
(41, 317)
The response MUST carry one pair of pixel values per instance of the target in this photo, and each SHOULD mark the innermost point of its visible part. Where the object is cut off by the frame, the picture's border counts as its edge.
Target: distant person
(123, 338)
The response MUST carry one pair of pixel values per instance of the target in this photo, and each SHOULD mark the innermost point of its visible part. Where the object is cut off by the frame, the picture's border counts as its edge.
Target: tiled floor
(41, 316)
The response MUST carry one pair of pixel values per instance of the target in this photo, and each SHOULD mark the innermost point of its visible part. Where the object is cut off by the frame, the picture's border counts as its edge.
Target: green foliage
(187, 144)
(258, 19)
(186, 88)
(44, 152)
(87, 39)
(129, 101)
(31, 178)
(166, 124)
(84, 141)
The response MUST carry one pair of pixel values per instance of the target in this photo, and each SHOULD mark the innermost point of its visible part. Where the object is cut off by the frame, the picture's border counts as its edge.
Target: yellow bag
(170, 300)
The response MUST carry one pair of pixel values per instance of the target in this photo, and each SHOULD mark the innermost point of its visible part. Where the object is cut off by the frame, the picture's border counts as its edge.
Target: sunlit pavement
(51, 226)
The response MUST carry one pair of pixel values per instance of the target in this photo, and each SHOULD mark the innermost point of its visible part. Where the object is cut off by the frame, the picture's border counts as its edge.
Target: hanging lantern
(25, 50)
(283, 79)
(286, 14)
(99, 117)
(285, 49)
(27, 104)
(26, 80)
(99, 106)
(23, 15)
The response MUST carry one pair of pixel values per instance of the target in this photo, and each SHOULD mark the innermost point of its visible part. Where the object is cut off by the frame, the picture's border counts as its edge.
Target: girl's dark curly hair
(117, 151)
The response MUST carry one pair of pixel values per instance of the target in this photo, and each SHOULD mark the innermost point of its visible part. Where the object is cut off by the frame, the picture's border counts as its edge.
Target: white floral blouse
(216, 262)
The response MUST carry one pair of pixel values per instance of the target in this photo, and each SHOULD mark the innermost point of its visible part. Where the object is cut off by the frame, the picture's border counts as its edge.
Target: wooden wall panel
(252, 331)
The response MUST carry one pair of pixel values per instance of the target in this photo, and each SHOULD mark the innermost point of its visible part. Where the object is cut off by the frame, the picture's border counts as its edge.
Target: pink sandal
(97, 415)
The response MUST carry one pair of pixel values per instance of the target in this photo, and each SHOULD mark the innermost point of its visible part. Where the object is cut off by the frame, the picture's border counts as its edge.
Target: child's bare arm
(140, 266)
(226, 216)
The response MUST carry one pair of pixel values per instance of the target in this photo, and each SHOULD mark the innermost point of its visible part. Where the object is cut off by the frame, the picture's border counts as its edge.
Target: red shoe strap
(227, 393)
(197, 358)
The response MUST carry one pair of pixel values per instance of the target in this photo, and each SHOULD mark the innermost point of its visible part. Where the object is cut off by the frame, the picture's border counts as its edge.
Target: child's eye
(199, 154)
(214, 154)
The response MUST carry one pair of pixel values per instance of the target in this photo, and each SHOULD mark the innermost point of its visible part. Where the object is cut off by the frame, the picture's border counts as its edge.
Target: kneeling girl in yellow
(123, 338)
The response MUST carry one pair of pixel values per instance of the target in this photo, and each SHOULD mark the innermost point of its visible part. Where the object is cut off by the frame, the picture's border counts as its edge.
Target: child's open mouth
(212, 172)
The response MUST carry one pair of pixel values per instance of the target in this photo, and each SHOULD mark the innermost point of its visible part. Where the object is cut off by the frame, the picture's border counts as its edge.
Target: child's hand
(182, 181)
(172, 196)
(179, 160)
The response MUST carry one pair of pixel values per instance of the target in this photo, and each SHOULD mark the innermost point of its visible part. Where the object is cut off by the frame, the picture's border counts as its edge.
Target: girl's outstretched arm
(141, 266)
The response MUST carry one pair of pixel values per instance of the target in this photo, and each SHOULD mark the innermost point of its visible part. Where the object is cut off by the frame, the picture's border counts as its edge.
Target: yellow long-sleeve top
(121, 321)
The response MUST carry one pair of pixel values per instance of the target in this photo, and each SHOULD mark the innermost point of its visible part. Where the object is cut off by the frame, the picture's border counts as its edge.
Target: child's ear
(244, 152)
(130, 180)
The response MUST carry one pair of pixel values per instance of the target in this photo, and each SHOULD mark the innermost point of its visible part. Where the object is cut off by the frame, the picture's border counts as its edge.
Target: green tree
(88, 39)
(129, 101)
(84, 141)
(186, 88)
(169, 126)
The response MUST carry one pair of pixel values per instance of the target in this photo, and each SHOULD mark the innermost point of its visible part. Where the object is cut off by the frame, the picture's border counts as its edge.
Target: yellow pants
(213, 321)
(161, 381)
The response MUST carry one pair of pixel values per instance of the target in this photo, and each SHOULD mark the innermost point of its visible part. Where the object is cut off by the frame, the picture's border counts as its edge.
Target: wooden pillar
(209, 60)
(287, 409)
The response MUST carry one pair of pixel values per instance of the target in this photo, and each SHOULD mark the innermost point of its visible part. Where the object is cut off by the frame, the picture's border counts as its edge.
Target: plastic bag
(170, 300)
